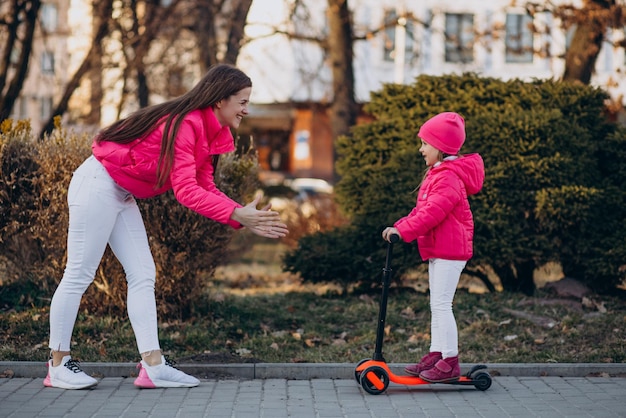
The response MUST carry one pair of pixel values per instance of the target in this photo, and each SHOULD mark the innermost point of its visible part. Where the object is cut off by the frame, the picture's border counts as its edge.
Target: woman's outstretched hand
(263, 222)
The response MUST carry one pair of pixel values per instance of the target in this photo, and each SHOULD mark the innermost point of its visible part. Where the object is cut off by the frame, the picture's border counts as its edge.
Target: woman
(172, 145)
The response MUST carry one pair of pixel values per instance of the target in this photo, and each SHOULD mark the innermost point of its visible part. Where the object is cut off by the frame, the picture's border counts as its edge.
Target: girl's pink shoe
(426, 363)
(445, 370)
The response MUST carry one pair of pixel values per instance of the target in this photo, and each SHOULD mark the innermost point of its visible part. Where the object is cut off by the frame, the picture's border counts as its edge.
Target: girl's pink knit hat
(445, 131)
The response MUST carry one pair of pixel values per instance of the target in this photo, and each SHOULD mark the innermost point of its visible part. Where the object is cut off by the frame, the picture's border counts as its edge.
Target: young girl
(443, 226)
(169, 146)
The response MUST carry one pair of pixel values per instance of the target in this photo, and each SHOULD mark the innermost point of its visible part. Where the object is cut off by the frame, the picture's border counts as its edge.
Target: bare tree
(340, 41)
(592, 22)
(215, 20)
(19, 18)
(103, 12)
(138, 25)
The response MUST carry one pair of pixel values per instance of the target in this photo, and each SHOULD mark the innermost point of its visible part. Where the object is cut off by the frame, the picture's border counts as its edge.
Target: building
(497, 39)
(288, 120)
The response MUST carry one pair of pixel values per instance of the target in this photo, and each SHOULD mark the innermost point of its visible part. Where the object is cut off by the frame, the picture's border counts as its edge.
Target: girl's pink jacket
(442, 221)
(133, 166)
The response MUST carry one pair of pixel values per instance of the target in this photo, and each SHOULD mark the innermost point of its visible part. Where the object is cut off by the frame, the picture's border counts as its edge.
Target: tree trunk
(27, 13)
(235, 33)
(101, 16)
(525, 277)
(104, 10)
(204, 29)
(518, 278)
(343, 109)
(581, 56)
(483, 278)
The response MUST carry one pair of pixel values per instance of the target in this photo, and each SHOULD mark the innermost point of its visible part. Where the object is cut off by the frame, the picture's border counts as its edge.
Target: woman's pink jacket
(133, 166)
(442, 221)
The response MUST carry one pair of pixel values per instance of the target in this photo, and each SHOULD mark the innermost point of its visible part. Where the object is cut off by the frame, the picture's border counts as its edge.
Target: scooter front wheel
(374, 380)
(357, 374)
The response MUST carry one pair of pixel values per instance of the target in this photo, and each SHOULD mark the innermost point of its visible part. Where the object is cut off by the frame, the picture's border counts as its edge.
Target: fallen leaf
(366, 298)
(408, 313)
(420, 336)
(243, 351)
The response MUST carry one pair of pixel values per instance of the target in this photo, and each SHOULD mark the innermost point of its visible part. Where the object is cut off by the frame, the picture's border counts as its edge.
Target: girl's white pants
(103, 213)
(443, 278)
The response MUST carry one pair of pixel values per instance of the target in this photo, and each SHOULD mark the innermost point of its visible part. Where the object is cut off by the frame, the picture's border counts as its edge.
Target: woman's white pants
(443, 278)
(103, 213)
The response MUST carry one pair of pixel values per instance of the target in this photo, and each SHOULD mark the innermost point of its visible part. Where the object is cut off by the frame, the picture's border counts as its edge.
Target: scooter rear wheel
(375, 380)
(482, 381)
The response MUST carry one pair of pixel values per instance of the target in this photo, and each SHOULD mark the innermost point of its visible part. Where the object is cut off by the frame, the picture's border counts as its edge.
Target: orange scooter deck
(375, 377)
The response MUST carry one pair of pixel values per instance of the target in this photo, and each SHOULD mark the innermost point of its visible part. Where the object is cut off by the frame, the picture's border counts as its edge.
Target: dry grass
(252, 311)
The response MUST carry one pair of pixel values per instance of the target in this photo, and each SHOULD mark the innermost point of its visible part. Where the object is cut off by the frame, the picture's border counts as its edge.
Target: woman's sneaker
(163, 375)
(68, 375)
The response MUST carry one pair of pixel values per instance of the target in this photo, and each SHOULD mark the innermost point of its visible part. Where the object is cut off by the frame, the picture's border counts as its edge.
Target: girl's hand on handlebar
(389, 231)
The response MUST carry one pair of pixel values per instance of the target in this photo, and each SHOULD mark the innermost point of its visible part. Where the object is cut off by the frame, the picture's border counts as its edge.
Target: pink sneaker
(426, 363)
(68, 375)
(445, 370)
(163, 375)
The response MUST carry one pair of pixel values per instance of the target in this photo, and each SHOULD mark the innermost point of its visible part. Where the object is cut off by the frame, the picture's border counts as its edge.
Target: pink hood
(442, 221)
(133, 166)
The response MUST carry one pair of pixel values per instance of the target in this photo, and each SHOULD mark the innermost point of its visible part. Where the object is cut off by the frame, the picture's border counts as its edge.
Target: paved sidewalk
(517, 393)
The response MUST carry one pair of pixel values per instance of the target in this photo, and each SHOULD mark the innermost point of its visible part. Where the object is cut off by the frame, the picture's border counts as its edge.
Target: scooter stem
(382, 311)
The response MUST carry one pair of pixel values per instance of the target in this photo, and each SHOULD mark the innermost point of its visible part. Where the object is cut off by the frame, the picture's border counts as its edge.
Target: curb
(306, 371)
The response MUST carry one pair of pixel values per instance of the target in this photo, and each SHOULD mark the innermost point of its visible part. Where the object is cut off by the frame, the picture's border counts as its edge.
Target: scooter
(374, 375)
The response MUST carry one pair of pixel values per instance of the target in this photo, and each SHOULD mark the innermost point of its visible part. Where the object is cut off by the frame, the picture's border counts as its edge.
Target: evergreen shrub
(33, 226)
(554, 188)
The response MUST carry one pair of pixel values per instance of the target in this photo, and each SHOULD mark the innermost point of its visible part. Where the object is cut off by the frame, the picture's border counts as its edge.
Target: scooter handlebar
(394, 238)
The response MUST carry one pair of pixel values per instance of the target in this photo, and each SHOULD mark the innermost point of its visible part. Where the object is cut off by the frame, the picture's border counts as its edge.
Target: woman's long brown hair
(219, 83)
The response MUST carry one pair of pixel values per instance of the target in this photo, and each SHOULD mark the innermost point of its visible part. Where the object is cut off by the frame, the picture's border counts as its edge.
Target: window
(14, 59)
(519, 38)
(45, 107)
(569, 36)
(389, 36)
(49, 17)
(459, 37)
(20, 111)
(47, 62)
